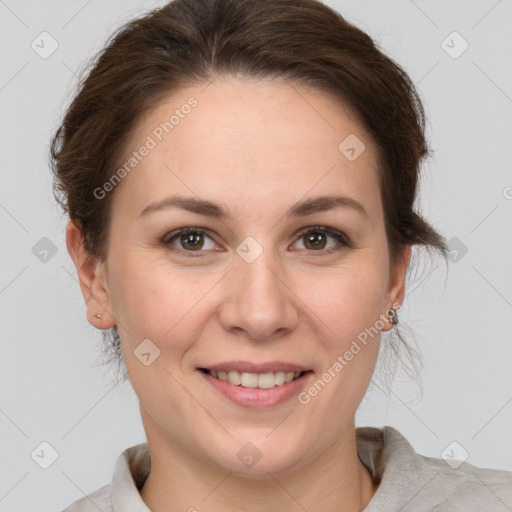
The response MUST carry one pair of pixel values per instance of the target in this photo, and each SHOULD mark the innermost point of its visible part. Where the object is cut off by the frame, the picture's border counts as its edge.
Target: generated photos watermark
(151, 142)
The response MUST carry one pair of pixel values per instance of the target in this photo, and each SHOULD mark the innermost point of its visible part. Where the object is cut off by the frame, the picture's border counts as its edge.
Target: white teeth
(266, 380)
(249, 380)
(280, 378)
(255, 380)
(234, 378)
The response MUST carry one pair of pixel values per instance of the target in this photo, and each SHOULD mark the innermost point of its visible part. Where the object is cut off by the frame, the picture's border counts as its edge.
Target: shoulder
(461, 484)
(131, 469)
(414, 482)
(98, 500)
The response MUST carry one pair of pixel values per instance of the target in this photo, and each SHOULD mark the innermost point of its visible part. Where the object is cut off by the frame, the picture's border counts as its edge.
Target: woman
(240, 178)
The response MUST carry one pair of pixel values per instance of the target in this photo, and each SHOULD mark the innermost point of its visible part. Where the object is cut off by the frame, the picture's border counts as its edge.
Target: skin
(256, 148)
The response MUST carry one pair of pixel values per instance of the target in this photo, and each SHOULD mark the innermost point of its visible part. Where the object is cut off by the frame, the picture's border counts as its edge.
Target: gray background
(50, 389)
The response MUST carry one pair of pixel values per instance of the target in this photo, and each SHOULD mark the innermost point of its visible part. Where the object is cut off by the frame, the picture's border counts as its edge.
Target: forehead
(237, 141)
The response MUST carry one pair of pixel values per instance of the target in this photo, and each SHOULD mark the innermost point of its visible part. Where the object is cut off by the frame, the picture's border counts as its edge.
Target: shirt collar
(385, 452)
(130, 472)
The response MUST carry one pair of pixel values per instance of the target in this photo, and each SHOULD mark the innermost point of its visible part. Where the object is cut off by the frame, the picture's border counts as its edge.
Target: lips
(257, 390)
(256, 375)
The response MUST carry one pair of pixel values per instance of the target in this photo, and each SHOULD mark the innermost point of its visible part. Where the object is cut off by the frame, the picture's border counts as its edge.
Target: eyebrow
(210, 209)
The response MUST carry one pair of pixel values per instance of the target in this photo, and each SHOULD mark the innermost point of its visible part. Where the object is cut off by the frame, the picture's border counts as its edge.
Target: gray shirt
(409, 482)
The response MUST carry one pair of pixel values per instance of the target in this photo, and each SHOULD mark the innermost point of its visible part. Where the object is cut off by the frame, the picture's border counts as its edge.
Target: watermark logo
(249, 454)
(454, 45)
(146, 352)
(454, 454)
(457, 249)
(352, 147)
(44, 250)
(44, 455)
(44, 45)
(249, 250)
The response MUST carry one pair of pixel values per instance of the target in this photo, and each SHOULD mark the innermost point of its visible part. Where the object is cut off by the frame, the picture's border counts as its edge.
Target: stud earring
(393, 316)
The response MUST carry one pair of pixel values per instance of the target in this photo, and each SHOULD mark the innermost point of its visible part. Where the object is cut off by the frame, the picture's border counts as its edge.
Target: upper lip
(249, 367)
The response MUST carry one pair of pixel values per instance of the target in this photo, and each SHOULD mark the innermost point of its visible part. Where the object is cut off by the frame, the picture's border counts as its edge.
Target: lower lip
(257, 398)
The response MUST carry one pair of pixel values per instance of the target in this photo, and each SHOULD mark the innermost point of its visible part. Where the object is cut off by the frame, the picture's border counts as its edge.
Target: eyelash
(341, 238)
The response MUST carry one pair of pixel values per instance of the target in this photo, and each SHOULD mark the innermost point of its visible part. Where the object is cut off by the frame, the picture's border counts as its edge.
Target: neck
(335, 480)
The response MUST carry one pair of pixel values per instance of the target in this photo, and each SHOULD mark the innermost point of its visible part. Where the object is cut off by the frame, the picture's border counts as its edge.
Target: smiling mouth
(255, 380)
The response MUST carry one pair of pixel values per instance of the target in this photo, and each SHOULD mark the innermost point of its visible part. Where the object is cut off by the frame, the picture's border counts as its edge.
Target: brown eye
(192, 241)
(188, 240)
(315, 239)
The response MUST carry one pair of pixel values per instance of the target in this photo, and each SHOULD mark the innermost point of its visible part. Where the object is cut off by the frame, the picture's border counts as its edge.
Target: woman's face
(250, 288)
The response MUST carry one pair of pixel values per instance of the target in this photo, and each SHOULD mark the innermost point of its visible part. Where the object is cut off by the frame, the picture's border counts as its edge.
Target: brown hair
(190, 42)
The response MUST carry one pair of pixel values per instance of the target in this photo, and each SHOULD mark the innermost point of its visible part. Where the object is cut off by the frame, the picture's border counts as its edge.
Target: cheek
(170, 304)
(346, 309)
(346, 301)
(152, 300)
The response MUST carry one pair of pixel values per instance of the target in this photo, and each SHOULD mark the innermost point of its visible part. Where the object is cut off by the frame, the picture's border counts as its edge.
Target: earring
(393, 316)
(98, 316)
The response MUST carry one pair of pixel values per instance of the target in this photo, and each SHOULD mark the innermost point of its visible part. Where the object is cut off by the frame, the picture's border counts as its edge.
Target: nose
(258, 302)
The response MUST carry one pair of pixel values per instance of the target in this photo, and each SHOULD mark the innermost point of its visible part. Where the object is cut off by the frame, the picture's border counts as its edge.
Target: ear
(92, 277)
(396, 289)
